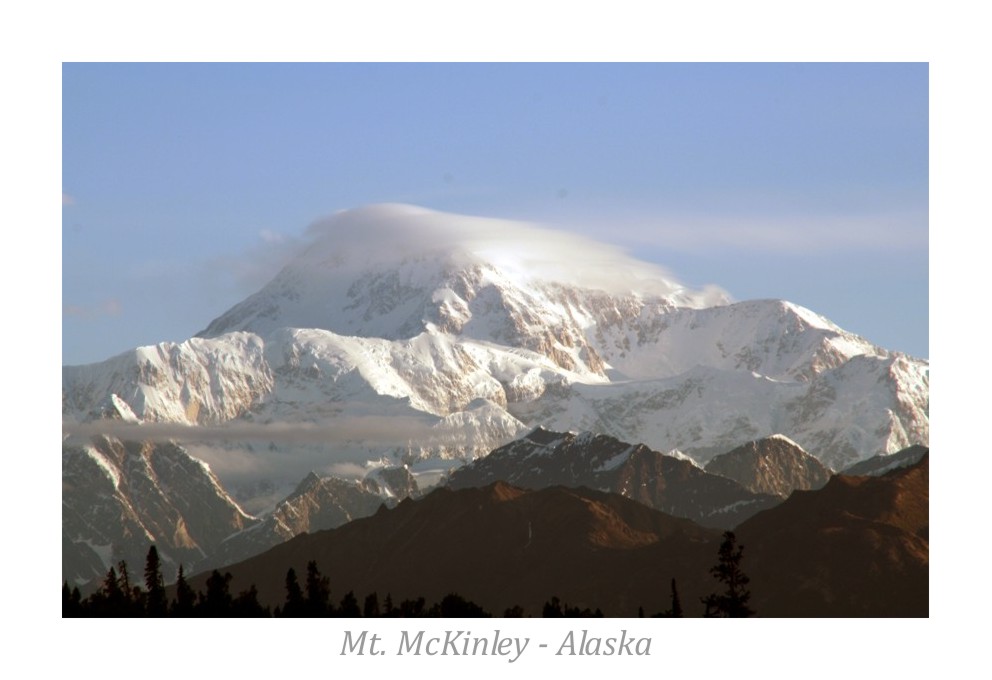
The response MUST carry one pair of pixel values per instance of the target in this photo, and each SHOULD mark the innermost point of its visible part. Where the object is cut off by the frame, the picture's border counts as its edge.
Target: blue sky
(185, 184)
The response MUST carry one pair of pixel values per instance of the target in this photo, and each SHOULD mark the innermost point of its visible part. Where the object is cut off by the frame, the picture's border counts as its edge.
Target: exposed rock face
(392, 482)
(317, 503)
(773, 465)
(544, 458)
(120, 497)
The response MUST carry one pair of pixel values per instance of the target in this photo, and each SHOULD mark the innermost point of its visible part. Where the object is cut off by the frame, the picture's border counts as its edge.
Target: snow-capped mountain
(407, 334)
(441, 323)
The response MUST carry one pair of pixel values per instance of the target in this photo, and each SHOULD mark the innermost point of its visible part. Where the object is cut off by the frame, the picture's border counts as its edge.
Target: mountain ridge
(420, 334)
(774, 465)
(856, 547)
(544, 458)
(447, 337)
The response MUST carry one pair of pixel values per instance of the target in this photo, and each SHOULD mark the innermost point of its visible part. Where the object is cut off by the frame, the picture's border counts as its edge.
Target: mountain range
(414, 341)
(856, 547)
(675, 486)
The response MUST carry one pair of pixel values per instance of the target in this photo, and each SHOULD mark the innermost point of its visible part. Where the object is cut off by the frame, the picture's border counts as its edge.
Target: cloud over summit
(391, 233)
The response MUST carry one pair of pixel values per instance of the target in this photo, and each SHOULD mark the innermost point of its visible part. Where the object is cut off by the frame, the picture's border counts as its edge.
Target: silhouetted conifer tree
(185, 602)
(218, 600)
(371, 608)
(124, 580)
(410, 609)
(72, 605)
(454, 605)
(294, 596)
(733, 601)
(318, 601)
(112, 602)
(155, 600)
(349, 606)
(246, 604)
(554, 609)
(676, 610)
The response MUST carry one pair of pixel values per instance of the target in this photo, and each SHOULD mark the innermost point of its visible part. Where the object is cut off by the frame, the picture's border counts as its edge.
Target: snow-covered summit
(395, 271)
(481, 329)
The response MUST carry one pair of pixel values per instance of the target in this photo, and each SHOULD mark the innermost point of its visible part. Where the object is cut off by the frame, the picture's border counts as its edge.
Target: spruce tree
(113, 602)
(246, 604)
(733, 601)
(185, 601)
(294, 596)
(349, 606)
(552, 609)
(71, 601)
(155, 601)
(676, 611)
(124, 580)
(371, 608)
(455, 606)
(411, 609)
(318, 602)
(218, 600)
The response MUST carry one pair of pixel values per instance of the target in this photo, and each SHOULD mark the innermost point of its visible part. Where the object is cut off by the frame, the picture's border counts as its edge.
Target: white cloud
(347, 470)
(776, 234)
(244, 453)
(388, 233)
(384, 431)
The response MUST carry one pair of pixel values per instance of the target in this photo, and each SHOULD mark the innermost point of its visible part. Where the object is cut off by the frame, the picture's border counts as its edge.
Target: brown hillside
(501, 546)
(857, 547)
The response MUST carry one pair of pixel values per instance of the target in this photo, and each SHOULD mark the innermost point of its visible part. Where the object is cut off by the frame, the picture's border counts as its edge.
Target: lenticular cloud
(381, 234)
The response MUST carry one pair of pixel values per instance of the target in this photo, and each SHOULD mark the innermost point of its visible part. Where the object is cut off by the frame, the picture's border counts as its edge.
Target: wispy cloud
(378, 430)
(243, 453)
(388, 234)
(266, 476)
(786, 234)
(110, 307)
(348, 470)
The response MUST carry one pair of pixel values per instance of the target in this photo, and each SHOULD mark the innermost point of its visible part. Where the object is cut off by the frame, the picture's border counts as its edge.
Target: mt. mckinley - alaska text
(464, 643)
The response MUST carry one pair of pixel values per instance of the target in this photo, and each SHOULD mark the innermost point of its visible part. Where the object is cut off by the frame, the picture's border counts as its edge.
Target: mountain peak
(773, 465)
(392, 270)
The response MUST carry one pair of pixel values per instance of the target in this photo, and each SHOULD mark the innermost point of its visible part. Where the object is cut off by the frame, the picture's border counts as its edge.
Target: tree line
(118, 596)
